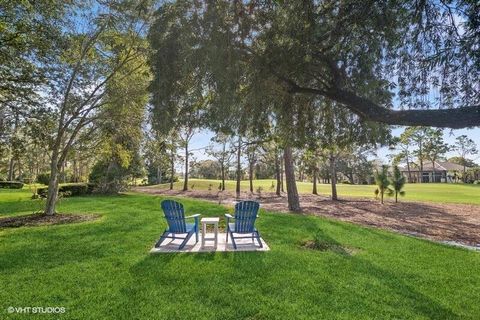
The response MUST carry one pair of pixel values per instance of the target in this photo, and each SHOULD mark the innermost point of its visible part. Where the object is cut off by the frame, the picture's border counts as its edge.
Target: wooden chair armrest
(193, 216)
(229, 216)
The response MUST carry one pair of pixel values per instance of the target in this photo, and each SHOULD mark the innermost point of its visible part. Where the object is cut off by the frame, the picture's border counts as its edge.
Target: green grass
(431, 192)
(103, 269)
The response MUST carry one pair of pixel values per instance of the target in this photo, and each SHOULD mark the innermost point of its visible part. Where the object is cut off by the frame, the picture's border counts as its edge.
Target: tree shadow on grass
(418, 302)
(211, 281)
(196, 283)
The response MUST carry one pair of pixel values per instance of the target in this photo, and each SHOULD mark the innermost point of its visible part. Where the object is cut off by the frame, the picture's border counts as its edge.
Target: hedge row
(11, 185)
(69, 190)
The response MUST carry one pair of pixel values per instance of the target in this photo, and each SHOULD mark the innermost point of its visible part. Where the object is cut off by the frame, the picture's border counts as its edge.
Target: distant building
(442, 172)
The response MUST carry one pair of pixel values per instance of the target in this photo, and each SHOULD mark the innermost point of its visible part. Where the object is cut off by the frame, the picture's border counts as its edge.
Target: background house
(443, 171)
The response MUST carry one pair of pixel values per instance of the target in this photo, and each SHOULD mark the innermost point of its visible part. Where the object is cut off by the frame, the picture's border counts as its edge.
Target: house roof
(439, 166)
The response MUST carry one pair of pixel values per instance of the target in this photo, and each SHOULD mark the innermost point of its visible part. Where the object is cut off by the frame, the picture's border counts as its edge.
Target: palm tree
(398, 182)
(382, 182)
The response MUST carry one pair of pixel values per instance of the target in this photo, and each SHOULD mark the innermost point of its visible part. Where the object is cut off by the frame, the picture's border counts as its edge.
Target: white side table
(211, 221)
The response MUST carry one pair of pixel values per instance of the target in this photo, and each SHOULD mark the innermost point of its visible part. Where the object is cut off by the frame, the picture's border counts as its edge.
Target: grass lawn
(103, 270)
(432, 192)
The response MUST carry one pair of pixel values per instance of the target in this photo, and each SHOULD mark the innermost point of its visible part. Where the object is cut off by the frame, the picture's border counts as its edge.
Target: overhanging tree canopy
(369, 55)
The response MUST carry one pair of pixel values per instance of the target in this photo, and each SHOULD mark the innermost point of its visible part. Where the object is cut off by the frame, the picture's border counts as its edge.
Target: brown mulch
(37, 219)
(435, 221)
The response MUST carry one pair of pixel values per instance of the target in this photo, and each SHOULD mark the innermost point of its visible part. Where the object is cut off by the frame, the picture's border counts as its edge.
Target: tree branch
(455, 118)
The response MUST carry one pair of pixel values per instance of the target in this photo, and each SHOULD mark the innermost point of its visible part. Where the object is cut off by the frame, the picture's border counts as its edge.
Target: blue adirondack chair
(245, 216)
(177, 224)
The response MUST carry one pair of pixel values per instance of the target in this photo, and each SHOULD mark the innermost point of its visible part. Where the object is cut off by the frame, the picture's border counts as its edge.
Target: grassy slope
(435, 192)
(102, 269)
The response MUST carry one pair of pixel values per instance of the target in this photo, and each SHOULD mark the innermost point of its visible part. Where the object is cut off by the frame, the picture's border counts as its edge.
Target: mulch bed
(37, 219)
(435, 221)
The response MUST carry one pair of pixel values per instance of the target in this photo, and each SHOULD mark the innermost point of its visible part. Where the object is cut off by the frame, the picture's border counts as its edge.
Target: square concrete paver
(169, 245)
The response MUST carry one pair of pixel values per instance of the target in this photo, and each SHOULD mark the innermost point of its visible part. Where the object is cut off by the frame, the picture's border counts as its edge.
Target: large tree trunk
(239, 167)
(172, 169)
(333, 175)
(292, 192)
(315, 174)
(52, 193)
(277, 174)
(185, 176)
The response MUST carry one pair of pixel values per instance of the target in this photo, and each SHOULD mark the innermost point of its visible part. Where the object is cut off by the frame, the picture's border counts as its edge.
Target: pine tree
(398, 182)
(382, 182)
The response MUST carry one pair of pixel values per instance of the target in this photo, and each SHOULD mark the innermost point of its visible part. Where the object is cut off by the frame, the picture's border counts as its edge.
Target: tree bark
(277, 174)
(223, 176)
(315, 174)
(185, 176)
(292, 192)
(75, 169)
(239, 167)
(250, 176)
(333, 174)
(433, 173)
(420, 149)
(281, 175)
(52, 194)
(11, 167)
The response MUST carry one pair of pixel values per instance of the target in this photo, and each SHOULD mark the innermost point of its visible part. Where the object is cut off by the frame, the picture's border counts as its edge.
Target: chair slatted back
(175, 216)
(245, 216)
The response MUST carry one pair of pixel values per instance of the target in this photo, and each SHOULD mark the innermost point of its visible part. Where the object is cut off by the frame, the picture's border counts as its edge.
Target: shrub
(476, 182)
(11, 184)
(69, 190)
(28, 180)
(346, 182)
(43, 178)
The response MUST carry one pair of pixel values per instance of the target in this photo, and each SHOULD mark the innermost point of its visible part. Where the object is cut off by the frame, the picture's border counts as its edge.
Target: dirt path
(436, 221)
